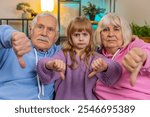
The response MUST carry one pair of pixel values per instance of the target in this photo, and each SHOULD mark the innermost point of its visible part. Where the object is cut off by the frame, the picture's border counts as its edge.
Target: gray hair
(43, 14)
(117, 21)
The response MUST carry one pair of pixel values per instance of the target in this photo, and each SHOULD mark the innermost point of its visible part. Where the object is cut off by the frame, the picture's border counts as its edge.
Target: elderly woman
(114, 37)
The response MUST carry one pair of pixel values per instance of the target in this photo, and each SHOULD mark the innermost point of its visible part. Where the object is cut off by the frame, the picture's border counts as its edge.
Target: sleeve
(48, 76)
(113, 73)
(145, 70)
(5, 36)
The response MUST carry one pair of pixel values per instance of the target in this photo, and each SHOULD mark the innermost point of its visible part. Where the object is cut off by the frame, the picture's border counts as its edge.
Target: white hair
(43, 14)
(117, 21)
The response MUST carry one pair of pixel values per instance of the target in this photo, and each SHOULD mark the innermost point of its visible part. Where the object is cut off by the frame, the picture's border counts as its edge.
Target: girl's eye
(85, 34)
(76, 34)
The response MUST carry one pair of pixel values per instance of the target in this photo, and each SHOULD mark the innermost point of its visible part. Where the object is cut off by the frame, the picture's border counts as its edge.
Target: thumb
(93, 73)
(62, 76)
(21, 61)
(134, 75)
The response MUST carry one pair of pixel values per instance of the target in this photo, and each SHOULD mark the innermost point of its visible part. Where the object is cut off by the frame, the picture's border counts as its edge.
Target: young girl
(76, 68)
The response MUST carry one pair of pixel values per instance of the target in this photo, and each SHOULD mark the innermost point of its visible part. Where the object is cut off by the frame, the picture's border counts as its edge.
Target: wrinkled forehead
(111, 21)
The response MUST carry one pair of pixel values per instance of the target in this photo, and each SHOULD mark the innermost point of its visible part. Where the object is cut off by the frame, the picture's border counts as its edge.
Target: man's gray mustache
(43, 38)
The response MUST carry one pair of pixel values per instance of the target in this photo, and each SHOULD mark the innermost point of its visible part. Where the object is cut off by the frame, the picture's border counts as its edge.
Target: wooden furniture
(23, 23)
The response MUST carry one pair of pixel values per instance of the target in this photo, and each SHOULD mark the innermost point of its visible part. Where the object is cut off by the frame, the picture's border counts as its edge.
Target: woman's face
(112, 37)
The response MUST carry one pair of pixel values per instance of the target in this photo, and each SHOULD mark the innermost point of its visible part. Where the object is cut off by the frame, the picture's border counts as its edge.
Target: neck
(41, 50)
(80, 53)
(111, 51)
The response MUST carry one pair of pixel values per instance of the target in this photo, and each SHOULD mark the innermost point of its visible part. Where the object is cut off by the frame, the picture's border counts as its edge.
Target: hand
(57, 65)
(21, 45)
(133, 61)
(98, 65)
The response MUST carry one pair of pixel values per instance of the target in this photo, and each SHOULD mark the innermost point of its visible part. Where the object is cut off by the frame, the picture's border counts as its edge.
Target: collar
(110, 56)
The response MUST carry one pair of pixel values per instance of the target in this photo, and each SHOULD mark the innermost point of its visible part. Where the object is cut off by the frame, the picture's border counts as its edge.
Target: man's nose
(44, 32)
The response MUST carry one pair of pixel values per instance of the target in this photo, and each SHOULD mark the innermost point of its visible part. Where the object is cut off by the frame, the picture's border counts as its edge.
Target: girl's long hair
(79, 24)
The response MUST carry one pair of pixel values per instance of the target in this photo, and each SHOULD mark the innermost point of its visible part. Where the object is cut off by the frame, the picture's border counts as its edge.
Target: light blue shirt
(17, 83)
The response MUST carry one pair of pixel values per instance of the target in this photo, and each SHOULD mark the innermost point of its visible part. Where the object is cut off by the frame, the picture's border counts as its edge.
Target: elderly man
(18, 59)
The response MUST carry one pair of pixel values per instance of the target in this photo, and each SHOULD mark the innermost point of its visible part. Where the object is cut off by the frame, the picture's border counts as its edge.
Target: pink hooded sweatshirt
(122, 90)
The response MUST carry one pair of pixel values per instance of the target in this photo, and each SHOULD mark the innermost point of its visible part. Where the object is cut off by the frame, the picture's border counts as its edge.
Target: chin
(42, 48)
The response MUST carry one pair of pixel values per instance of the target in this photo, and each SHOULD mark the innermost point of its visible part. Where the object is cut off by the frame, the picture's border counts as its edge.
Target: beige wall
(8, 8)
(133, 10)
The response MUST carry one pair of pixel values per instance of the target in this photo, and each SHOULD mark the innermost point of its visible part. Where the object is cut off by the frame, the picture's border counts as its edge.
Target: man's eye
(50, 29)
(40, 26)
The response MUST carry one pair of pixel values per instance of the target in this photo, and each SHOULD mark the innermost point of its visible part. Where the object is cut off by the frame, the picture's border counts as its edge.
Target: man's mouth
(43, 40)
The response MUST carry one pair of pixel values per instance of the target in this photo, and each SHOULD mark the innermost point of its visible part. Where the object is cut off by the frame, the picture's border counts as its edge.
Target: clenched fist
(98, 65)
(57, 65)
(133, 61)
(21, 45)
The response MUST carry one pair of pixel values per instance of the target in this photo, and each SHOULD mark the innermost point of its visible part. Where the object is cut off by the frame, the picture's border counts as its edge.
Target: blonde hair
(79, 24)
(117, 21)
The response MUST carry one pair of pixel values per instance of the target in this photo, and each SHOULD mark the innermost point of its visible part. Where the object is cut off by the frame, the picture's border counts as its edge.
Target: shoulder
(138, 43)
(56, 47)
(59, 55)
(98, 55)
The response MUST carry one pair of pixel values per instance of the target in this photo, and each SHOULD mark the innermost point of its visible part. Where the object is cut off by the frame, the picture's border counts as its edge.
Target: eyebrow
(46, 26)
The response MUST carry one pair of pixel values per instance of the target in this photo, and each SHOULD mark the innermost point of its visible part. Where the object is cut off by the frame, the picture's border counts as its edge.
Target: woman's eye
(105, 30)
(117, 29)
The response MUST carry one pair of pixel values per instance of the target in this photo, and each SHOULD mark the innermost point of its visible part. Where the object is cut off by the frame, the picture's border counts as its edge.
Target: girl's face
(80, 40)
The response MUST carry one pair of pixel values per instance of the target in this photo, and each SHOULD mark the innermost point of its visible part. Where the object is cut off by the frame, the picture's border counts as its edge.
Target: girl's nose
(80, 37)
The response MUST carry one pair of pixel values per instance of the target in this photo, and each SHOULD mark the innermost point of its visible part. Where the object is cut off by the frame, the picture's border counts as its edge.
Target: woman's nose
(111, 33)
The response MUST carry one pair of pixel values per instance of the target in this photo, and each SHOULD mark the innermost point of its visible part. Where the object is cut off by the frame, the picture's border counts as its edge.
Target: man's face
(43, 34)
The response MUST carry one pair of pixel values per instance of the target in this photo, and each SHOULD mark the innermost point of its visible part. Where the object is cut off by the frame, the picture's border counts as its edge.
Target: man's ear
(30, 31)
(56, 37)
